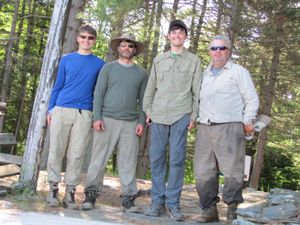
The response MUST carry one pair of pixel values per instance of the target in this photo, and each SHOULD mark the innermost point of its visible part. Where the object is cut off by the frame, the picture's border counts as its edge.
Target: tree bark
(70, 40)
(36, 131)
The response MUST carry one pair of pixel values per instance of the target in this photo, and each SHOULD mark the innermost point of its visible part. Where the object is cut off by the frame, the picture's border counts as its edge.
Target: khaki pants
(219, 148)
(118, 135)
(69, 135)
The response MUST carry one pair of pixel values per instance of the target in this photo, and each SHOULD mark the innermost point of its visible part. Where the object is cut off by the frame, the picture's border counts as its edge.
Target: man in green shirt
(171, 102)
(118, 121)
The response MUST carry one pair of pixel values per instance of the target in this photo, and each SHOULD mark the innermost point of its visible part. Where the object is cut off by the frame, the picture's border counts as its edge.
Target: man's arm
(251, 100)
(197, 78)
(59, 84)
(150, 92)
(142, 116)
(99, 93)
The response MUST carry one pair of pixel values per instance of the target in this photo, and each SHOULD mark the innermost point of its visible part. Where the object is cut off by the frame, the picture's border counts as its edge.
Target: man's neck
(84, 52)
(125, 61)
(177, 49)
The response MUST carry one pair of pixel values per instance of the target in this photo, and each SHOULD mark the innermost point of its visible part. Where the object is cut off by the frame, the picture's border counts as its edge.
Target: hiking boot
(175, 214)
(155, 210)
(69, 199)
(52, 200)
(89, 201)
(128, 204)
(231, 213)
(209, 215)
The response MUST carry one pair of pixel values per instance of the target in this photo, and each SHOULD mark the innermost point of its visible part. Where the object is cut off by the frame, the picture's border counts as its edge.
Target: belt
(214, 124)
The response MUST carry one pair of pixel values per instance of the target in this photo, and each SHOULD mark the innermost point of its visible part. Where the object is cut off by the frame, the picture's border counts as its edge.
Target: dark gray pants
(219, 148)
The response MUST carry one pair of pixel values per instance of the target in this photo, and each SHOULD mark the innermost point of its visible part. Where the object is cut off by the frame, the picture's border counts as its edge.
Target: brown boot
(209, 215)
(231, 213)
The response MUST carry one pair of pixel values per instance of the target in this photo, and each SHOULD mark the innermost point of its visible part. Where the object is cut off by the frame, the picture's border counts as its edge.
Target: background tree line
(265, 39)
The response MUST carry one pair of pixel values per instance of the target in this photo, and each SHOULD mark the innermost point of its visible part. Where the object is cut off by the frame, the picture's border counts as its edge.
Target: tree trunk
(219, 16)
(267, 104)
(36, 131)
(148, 21)
(157, 30)
(234, 27)
(8, 66)
(143, 163)
(195, 41)
(70, 40)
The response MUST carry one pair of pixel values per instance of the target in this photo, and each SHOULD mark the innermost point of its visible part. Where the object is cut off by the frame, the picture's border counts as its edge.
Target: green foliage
(281, 170)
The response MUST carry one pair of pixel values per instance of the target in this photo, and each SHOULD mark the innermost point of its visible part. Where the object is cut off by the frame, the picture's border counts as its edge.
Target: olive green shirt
(173, 87)
(119, 92)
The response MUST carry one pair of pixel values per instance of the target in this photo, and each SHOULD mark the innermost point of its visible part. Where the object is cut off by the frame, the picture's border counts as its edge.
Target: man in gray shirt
(171, 102)
(118, 121)
(228, 106)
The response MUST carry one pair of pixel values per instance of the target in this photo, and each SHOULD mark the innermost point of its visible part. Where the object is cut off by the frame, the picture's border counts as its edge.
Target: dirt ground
(108, 204)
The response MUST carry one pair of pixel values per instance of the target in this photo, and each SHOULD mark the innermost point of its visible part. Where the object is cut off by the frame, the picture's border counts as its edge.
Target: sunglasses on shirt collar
(221, 48)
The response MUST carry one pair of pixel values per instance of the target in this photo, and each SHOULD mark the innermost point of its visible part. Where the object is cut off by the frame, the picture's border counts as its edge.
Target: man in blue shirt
(70, 116)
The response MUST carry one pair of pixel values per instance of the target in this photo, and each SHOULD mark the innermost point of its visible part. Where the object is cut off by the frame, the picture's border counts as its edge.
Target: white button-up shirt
(229, 96)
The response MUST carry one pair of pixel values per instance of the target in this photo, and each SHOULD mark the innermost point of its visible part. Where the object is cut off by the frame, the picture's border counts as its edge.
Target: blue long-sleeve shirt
(75, 82)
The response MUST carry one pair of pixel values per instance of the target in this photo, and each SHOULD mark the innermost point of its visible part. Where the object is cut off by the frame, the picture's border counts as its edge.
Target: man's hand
(98, 125)
(191, 125)
(249, 129)
(139, 129)
(49, 118)
(148, 121)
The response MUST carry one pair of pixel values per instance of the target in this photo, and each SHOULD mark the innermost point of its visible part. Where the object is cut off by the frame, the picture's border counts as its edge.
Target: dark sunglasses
(129, 46)
(221, 48)
(87, 37)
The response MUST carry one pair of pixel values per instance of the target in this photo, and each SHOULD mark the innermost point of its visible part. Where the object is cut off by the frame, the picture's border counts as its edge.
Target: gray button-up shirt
(173, 87)
(229, 96)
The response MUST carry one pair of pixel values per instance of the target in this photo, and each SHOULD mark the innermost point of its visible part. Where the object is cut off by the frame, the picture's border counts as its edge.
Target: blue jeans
(176, 136)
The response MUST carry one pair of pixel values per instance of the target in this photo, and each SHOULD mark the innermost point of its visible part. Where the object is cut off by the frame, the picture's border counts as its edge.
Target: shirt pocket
(163, 69)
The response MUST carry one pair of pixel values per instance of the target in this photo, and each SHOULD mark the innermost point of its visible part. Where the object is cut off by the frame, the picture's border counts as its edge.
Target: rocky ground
(108, 205)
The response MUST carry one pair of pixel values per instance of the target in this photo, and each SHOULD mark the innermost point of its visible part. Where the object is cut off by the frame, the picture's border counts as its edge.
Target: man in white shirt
(228, 106)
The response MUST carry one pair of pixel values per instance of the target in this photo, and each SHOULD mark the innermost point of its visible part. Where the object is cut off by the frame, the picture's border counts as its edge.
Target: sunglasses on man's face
(87, 37)
(221, 48)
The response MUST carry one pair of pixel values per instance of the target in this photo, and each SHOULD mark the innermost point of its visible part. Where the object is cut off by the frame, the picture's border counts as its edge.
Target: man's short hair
(222, 37)
(87, 29)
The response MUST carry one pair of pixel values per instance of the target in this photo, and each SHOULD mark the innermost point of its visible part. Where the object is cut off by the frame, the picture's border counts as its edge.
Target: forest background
(265, 39)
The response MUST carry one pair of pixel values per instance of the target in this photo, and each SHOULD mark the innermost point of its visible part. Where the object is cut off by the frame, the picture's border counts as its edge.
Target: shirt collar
(182, 54)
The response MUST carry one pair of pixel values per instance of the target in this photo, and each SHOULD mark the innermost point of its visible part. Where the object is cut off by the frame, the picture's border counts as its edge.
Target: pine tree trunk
(219, 16)
(148, 24)
(36, 131)
(195, 41)
(157, 30)
(267, 104)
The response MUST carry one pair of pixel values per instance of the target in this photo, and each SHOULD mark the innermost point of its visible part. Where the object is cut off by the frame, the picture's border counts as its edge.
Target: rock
(282, 207)
(6, 204)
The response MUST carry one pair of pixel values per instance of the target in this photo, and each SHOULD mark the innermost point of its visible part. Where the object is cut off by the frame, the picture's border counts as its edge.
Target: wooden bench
(10, 165)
